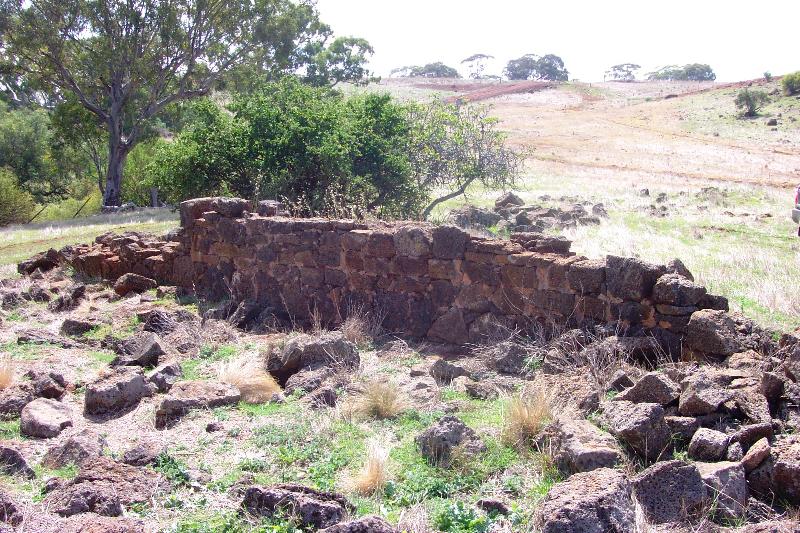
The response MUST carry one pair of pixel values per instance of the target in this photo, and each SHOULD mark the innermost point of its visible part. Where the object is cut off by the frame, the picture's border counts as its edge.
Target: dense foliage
(623, 72)
(17, 204)
(750, 101)
(532, 67)
(323, 153)
(125, 63)
(689, 72)
(791, 83)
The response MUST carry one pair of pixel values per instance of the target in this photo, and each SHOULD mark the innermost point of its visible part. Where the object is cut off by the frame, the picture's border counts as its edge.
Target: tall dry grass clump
(373, 474)
(526, 414)
(6, 371)
(360, 327)
(254, 383)
(380, 400)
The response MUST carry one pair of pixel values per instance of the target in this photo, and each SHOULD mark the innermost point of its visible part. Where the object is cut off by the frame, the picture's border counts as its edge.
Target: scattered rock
(640, 425)
(579, 446)
(311, 508)
(45, 418)
(713, 333)
(131, 282)
(669, 491)
(97, 497)
(165, 376)
(75, 327)
(13, 463)
(14, 398)
(590, 502)
(47, 384)
(311, 352)
(142, 349)
(653, 387)
(9, 511)
(69, 300)
(75, 449)
(508, 199)
(187, 395)
(708, 445)
(725, 482)
(756, 455)
(444, 372)
(493, 506)
(41, 336)
(682, 427)
(437, 442)
(144, 453)
(480, 390)
(119, 389)
(702, 395)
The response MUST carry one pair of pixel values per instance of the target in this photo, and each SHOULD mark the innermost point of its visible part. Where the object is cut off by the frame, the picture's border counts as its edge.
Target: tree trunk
(458, 192)
(117, 153)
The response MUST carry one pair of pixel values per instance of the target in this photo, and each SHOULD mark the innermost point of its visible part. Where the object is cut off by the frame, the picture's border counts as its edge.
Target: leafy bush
(767, 76)
(791, 83)
(689, 72)
(172, 469)
(751, 101)
(17, 204)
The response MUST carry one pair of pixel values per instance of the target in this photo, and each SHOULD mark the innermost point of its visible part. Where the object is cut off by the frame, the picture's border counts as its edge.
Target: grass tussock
(6, 371)
(526, 414)
(373, 475)
(360, 326)
(254, 383)
(381, 400)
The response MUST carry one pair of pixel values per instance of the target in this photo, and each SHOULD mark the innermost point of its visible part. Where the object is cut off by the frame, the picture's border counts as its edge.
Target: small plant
(526, 414)
(172, 469)
(373, 475)
(751, 101)
(255, 384)
(459, 517)
(360, 327)
(380, 400)
(6, 371)
(791, 83)
(767, 76)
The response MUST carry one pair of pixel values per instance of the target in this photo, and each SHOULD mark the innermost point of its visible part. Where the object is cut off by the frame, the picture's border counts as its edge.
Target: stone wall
(428, 281)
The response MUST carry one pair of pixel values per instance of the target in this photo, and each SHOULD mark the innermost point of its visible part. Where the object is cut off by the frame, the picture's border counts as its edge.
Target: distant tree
(791, 83)
(532, 67)
(623, 72)
(767, 76)
(689, 72)
(125, 62)
(401, 72)
(751, 101)
(476, 64)
(433, 70)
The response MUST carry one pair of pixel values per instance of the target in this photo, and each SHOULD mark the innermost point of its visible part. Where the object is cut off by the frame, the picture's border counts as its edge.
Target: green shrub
(172, 469)
(791, 83)
(767, 76)
(16, 205)
(751, 101)
(459, 517)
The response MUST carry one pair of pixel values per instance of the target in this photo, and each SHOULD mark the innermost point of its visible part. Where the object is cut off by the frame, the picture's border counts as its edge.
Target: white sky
(739, 39)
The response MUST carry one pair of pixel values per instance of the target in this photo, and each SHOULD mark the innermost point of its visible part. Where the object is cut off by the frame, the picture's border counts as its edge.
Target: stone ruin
(427, 281)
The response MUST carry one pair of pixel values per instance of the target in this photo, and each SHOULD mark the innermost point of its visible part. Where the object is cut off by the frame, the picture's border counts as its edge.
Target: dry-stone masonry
(430, 281)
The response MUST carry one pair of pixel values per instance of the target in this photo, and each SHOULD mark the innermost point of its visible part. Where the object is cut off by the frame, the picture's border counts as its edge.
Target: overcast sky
(739, 39)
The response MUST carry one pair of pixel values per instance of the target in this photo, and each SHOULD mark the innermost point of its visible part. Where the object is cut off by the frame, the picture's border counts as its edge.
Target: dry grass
(373, 474)
(381, 400)
(254, 383)
(6, 371)
(361, 326)
(526, 414)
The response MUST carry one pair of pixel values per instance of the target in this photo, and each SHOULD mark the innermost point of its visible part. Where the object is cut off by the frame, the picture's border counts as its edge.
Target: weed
(172, 469)
(458, 517)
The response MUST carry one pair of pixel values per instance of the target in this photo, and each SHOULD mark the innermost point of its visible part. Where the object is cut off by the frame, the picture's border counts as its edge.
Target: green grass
(201, 366)
(26, 351)
(9, 429)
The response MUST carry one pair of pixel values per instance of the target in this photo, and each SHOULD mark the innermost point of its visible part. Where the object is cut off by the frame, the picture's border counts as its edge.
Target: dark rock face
(47, 384)
(437, 442)
(669, 491)
(590, 502)
(97, 497)
(312, 508)
(653, 387)
(142, 349)
(165, 376)
(144, 453)
(309, 352)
